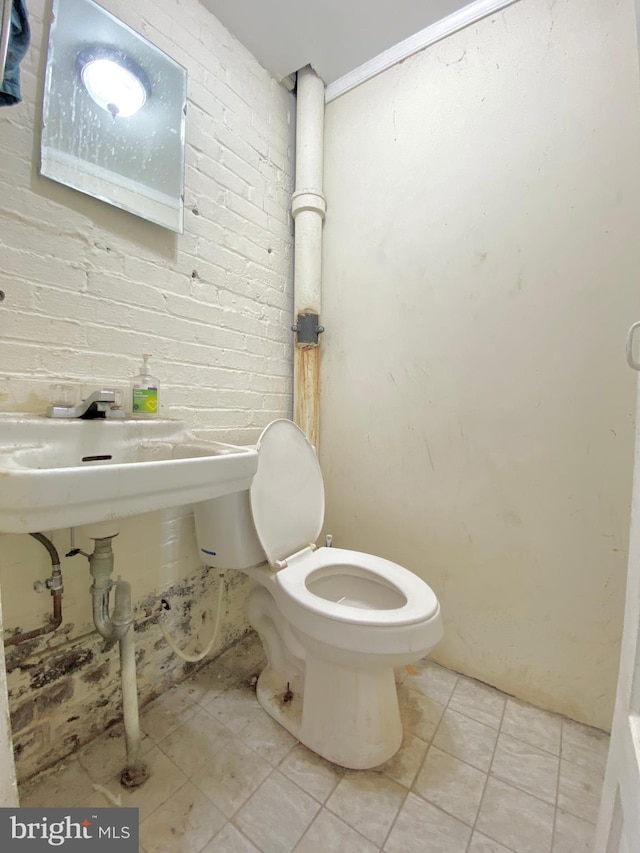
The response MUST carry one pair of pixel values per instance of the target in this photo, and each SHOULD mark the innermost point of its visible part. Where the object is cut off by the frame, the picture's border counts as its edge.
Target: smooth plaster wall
(88, 289)
(481, 260)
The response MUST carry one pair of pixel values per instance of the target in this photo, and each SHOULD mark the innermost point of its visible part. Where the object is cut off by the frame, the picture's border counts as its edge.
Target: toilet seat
(420, 602)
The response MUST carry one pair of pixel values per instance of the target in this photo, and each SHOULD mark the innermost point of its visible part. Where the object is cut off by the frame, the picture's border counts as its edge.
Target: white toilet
(333, 622)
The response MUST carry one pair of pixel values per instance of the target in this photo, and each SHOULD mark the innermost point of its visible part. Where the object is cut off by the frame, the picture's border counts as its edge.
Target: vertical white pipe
(119, 627)
(133, 737)
(308, 207)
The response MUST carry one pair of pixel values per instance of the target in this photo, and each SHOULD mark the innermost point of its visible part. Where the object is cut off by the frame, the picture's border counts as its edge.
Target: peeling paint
(98, 674)
(63, 697)
(67, 663)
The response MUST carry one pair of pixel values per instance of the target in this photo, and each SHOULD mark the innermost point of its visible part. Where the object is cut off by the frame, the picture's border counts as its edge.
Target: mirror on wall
(114, 114)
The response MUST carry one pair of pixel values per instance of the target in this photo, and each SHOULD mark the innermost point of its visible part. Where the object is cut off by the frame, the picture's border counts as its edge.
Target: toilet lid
(287, 492)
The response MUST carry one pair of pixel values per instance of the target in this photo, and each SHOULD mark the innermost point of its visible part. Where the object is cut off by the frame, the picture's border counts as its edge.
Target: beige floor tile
(467, 739)
(481, 844)
(585, 746)
(367, 801)
(533, 726)
(432, 680)
(519, 821)
(277, 815)
(165, 714)
(268, 738)
(235, 708)
(63, 786)
(421, 827)
(329, 833)
(186, 822)
(526, 767)
(571, 834)
(579, 791)
(311, 772)
(231, 776)
(106, 756)
(97, 800)
(195, 742)
(247, 768)
(420, 715)
(164, 780)
(246, 657)
(209, 682)
(405, 764)
(479, 701)
(230, 840)
(450, 784)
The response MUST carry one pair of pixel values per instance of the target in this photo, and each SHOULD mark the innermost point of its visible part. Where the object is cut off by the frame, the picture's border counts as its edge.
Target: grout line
(486, 781)
(555, 810)
(237, 829)
(429, 743)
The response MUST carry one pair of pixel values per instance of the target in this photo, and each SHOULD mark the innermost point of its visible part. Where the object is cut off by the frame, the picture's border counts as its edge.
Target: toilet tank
(226, 535)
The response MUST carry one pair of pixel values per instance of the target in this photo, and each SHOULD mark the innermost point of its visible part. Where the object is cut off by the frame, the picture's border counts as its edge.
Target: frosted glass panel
(134, 162)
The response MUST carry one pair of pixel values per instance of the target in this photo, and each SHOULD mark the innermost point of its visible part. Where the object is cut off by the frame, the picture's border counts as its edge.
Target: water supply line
(52, 583)
(216, 628)
(119, 627)
(308, 208)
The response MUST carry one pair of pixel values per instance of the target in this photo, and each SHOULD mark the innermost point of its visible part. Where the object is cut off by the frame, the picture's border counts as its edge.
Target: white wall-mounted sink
(64, 473)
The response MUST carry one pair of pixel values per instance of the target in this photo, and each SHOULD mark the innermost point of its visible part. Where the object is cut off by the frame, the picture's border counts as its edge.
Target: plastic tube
(210, 644)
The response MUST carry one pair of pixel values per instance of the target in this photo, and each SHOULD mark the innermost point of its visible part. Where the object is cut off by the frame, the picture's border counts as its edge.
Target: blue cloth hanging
(19, 39)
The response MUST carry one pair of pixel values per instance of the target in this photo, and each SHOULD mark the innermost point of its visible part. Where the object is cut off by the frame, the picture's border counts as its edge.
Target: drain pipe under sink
(119, 627)
(308, 208)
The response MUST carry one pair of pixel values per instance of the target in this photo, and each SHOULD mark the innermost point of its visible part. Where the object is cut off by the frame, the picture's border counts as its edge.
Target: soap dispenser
(144, 392)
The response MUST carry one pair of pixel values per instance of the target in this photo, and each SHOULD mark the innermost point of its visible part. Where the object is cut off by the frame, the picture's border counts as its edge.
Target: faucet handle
(115, 410)
(61, 394)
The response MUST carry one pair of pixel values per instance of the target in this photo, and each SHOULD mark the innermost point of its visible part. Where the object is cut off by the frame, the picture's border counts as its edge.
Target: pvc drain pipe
(308, 208)
(119, 627)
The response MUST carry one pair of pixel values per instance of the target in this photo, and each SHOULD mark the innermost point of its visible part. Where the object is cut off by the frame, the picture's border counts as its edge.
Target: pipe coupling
(307, 328)
(312, 200)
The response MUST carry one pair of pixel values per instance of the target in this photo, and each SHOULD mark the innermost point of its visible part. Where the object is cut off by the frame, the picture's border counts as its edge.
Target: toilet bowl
(334, 622)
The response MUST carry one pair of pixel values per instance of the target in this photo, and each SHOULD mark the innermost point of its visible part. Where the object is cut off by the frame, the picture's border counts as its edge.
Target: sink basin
(59, 473)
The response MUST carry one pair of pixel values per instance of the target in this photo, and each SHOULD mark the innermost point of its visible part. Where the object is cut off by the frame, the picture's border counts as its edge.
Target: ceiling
(333, 36)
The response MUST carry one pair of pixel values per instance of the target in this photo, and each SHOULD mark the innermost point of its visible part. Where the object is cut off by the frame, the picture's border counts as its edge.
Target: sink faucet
(100, 404)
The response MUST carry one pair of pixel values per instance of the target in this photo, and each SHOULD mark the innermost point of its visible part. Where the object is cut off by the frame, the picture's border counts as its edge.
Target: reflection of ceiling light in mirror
(115, 82)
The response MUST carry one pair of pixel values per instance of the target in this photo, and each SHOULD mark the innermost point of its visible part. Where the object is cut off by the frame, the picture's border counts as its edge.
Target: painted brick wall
(89, 288)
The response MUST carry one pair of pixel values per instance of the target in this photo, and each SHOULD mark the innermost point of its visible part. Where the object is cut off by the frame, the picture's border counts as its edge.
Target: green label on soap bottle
(145, 401)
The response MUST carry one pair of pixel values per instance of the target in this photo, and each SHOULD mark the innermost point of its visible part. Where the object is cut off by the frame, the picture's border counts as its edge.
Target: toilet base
(348, 716)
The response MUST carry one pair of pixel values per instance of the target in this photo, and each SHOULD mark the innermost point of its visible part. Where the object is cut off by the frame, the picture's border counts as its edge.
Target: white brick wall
(90, 287)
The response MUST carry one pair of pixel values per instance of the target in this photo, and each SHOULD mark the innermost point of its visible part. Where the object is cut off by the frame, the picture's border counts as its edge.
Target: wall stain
(66, 664)
(98, 674)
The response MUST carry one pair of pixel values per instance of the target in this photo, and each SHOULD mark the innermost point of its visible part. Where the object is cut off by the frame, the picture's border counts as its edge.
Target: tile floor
(478, 772)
